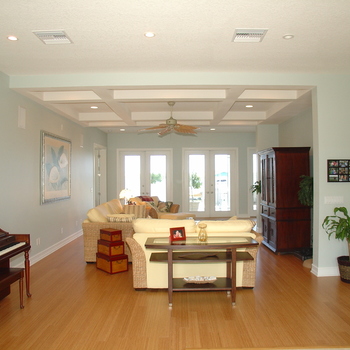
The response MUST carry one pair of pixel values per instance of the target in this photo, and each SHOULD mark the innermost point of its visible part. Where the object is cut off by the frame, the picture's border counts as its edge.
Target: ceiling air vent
(249, 35)
(52, 37)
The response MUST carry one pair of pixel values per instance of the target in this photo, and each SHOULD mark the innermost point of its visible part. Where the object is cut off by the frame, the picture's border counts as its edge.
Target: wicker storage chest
(110, 248)
(112, 264)
(110, 234)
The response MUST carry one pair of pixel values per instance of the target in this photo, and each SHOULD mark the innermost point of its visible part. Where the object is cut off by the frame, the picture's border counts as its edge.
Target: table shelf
(221, 283)
(199, 257)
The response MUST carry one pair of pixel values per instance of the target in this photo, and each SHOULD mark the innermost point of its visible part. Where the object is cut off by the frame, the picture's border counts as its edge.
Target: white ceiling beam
(170, 94)
(108, 116)
(269, 94)
(106, 124)
(68, 96)
(198, 115)
(245, 116)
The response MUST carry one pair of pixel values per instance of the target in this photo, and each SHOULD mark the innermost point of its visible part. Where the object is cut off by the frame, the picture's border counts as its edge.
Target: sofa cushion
(162, 225)
(233, 225)
(121, 217)
(116, 206)
(99, 213)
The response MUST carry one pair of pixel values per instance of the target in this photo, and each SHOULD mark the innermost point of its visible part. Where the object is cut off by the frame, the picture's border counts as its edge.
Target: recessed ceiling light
(12, 38)
(94, 107)
(288, 36)
(149, 34)
(249, 106)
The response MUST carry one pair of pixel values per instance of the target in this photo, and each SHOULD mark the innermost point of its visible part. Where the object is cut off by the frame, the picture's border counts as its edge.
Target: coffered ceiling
(101, 38)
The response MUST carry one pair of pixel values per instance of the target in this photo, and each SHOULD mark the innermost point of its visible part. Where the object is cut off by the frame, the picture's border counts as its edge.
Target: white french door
(210, 182)
(145, 172)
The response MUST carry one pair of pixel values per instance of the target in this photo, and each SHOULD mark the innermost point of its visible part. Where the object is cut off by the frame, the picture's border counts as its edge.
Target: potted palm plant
(339, 226)
(256, 188)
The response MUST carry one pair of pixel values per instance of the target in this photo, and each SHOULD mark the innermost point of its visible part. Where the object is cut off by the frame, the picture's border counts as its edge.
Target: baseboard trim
(325, 271)
(46, 252)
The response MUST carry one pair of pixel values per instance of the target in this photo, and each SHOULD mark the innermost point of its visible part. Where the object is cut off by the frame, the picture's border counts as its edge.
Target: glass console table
(216, 249)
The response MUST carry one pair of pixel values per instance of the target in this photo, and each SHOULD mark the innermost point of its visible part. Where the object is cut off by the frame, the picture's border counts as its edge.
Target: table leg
(170, 277)
(233, 277)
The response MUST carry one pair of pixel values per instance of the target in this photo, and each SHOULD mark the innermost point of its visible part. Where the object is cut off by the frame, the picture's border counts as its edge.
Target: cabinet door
(271, 179)
(272, 234)
(265, 226)
(263, 164)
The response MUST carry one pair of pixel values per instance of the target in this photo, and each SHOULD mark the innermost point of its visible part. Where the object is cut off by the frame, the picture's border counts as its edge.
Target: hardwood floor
(76, 306)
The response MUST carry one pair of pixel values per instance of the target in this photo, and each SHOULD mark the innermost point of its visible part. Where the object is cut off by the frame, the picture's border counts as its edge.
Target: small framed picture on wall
(338, 170)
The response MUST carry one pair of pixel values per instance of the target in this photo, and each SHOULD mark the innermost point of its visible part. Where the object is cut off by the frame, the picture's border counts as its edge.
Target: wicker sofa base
(91, 234)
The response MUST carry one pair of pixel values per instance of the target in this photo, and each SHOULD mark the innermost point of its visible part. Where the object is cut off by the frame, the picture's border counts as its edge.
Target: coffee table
(192, 251)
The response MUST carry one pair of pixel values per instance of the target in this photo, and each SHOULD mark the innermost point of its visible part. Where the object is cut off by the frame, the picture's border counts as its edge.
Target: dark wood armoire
(286, 223)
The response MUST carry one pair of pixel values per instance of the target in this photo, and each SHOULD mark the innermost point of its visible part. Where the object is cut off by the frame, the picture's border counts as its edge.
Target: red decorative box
(111, 234)
(112, 264)
(110, 248)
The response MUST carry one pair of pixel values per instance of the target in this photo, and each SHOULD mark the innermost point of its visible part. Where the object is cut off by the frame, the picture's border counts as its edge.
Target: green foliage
(306, 191)
(195, 181)
(256, 187)
(338, 224)
(156, 178)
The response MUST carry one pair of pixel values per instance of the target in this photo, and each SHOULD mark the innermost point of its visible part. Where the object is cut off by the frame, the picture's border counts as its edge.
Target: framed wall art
(55, 168)
(338, 170)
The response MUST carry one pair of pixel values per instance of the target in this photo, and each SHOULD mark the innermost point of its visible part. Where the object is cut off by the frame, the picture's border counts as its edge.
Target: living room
(324, 128)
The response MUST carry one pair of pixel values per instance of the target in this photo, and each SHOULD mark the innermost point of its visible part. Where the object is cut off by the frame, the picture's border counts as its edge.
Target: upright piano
(10, 246)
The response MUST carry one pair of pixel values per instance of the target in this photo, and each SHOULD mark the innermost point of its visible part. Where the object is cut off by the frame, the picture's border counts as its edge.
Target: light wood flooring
(76, 306)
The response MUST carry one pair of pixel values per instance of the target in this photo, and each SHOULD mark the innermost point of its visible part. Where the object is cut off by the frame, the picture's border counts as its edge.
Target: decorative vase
(202, 234)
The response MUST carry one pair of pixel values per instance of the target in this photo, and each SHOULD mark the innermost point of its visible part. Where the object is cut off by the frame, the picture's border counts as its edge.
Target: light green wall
(266, 136)
(297, 131)
(241, 141)
(20, 209)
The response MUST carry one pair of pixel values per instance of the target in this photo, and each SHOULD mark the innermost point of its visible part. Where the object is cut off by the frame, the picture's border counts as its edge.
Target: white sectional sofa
(147, 274)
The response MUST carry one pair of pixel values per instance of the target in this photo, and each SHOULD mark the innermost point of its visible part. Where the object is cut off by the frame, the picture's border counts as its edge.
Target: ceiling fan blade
(165, 131)
(185, 129)
(154, 128)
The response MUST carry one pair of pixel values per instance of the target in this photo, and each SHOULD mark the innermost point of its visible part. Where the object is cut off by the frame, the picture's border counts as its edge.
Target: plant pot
(344, 268)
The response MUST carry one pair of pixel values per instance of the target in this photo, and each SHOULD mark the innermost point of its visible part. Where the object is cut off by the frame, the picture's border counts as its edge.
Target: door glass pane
(132, 174)
(158, 176)
(222, 182)
(196, 177)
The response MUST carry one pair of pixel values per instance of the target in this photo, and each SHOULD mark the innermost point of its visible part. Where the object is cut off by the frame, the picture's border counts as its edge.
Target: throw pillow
(164, 207)
(146, 198)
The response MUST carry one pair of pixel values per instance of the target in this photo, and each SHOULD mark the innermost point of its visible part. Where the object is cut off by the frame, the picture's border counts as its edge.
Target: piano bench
(10, 275)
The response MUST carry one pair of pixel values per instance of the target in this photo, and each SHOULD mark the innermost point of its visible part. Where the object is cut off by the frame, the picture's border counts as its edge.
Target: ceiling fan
(172, 125)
